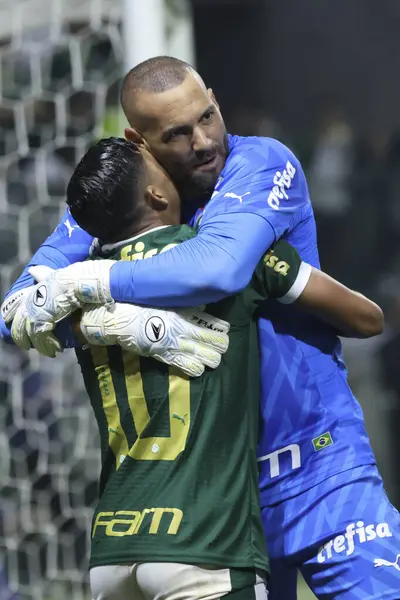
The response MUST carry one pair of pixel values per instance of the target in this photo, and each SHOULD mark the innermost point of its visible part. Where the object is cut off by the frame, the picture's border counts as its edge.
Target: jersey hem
(268, 497)
(215, 560)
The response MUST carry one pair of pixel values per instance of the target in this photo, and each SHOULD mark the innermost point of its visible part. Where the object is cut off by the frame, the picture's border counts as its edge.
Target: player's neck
(135, 230)
(133, 233)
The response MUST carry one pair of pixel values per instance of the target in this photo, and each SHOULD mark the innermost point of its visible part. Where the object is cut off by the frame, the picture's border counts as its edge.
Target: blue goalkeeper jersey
(312, 426)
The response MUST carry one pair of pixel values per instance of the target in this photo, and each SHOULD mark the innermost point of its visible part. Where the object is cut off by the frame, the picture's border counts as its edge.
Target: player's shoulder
(148, 244)
(264, 152)
(175, 234)
(260, 161)
(68, 231)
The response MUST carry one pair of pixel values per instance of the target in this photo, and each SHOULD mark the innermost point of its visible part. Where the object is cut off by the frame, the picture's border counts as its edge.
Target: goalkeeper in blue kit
(324, 507)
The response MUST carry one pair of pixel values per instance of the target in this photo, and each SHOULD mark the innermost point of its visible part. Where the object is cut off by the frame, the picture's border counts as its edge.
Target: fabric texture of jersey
(345, 534)
(305, 397)
(179, 479)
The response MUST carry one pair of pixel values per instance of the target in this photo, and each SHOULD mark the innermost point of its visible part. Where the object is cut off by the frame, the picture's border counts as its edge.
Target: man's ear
(212, 96)
(155, 199)
(134, 136)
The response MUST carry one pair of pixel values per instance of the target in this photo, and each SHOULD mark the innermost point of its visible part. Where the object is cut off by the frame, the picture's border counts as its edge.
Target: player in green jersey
(178, 514)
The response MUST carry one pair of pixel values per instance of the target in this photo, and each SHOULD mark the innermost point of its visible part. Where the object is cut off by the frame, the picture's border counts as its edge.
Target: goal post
(144, 30)
(157, 27)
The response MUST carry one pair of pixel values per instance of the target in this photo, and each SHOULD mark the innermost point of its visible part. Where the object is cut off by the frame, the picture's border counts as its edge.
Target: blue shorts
(343, 535)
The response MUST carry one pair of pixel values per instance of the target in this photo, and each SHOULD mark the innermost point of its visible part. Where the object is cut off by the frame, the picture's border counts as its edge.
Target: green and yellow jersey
(179, 480)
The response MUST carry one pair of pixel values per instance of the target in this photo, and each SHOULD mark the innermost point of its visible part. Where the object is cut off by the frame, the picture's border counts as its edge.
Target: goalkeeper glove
(58, 294)
(173, 338)
(13, 302)
(191, 340)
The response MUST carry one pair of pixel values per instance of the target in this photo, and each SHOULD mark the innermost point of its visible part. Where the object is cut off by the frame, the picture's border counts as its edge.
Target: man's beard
(197, 189)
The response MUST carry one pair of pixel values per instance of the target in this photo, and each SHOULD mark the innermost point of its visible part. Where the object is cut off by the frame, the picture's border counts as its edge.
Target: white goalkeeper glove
(15, 307)
(191, 340)
(187, 339)
(58, 294)
(13, 302)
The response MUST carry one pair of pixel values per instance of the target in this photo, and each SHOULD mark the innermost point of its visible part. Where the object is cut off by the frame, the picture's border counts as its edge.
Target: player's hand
(13, 302)
(9, 309)
(15, 310)
(56, 296)
(189, 340)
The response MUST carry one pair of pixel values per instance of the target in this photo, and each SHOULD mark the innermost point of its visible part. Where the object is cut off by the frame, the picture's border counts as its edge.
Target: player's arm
(263, 193)
(292, 281)
(351, 313)
(282, 275)
(66, 245)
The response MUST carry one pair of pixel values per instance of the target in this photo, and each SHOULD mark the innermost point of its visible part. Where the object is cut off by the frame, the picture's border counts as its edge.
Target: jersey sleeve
(66, 245)
(261, 194)
(263, 177)
(281, 274)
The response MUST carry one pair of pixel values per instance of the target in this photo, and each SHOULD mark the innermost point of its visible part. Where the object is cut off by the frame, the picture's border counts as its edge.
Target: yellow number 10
(159, 448)
(145, 448)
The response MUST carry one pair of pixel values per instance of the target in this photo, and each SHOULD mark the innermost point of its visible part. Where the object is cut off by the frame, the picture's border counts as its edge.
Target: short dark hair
(154, 75)
(104, 193)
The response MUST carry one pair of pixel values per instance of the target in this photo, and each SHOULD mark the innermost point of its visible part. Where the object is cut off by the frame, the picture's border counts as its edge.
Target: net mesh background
(60, 66)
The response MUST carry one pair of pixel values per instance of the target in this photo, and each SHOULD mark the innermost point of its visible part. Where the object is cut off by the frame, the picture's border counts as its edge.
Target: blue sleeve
(66, 245)
(262, 194)
(4, 331)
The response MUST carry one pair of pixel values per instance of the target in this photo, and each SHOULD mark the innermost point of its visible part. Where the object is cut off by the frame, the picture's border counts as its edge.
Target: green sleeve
(281, 273)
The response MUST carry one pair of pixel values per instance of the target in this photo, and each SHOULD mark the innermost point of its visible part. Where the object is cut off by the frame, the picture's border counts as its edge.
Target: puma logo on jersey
(283, 181)
(381, 562)
(112, 430)
(179, 418)
(236, 196)
(70, 227)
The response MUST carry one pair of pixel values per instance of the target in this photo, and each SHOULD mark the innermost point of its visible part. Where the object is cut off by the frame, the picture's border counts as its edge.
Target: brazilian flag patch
(322, 441)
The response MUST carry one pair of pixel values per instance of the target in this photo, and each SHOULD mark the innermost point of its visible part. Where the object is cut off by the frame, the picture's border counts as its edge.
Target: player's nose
(201, 143)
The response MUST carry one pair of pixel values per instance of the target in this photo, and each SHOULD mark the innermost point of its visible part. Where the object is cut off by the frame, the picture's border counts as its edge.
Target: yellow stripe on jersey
(134, 388)
(116, 435)
(159, 448)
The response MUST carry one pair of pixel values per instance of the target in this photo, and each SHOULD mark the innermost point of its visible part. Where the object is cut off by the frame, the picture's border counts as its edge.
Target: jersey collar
(108, 247)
